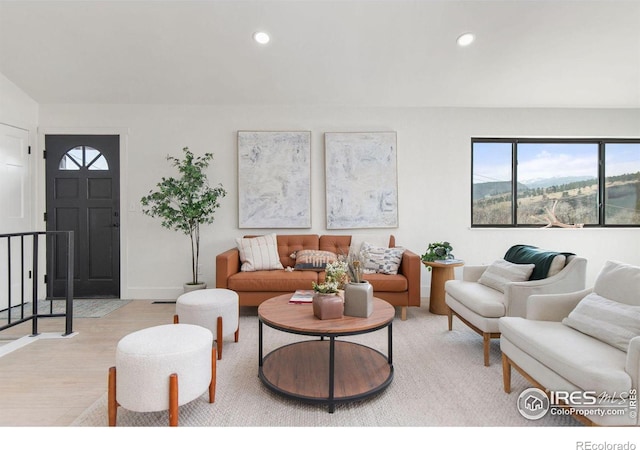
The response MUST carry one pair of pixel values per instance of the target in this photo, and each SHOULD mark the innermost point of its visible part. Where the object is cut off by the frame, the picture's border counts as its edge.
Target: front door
(83, 195)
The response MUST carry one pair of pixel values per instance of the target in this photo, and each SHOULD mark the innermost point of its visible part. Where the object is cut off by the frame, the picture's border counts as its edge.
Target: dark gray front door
(83, 195)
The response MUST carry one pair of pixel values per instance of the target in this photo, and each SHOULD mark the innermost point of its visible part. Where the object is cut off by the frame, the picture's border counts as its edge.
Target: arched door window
(83, 156)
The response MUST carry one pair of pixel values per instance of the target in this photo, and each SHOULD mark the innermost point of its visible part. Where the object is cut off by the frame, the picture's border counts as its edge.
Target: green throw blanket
(528, 254)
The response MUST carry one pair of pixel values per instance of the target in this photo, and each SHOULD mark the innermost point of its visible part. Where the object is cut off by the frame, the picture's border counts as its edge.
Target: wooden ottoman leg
(173, 400)
(237, 335)
(112, 404)
(219, 337)
(176, 319)
(212, 385)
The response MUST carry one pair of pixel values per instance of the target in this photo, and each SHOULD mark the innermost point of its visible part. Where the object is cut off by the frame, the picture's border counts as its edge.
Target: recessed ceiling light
(465, 39)
(261, 37)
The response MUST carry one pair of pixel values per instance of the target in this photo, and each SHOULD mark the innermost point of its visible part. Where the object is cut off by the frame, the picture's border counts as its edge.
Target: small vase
(358, 299)
(327, 306)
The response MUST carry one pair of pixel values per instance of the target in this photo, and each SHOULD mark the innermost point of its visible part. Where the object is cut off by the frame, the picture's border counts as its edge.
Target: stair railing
(17, 301)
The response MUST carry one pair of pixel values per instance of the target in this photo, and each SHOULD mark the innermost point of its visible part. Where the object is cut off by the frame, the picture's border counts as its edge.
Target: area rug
(439, 381)
(82, 308)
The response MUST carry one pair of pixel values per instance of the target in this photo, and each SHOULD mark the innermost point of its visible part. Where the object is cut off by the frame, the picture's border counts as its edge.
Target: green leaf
(184, 202)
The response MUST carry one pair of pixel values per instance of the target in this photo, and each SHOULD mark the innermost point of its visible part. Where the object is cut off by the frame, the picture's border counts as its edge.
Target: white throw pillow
(259, 253)
(381, 259)
(501, 272)
(377, 240)
(606, 320)
(619, 282)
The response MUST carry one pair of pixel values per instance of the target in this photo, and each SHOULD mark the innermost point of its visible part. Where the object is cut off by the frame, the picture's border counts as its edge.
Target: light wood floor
(50, 382)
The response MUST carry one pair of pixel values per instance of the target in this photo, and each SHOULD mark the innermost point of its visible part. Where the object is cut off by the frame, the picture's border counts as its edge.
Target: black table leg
(259, 343)
(332, 363)
(390, 345)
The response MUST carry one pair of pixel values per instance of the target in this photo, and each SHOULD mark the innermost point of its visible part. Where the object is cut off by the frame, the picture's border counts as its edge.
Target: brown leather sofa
(401, 290)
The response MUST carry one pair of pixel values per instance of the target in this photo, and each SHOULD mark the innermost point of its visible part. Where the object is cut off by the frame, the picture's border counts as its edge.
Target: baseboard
(155, 293)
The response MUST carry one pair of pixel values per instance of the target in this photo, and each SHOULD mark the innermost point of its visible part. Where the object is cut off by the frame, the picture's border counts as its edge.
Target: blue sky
(492, 161)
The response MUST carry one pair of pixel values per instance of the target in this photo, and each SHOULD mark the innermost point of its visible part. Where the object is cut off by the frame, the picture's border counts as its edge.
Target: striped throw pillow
(608, 321)
(313, 259)
(381, 259)
(259, 253)
(501, 272)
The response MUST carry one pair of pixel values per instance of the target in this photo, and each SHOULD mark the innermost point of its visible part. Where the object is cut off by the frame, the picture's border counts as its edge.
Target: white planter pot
(188, 287)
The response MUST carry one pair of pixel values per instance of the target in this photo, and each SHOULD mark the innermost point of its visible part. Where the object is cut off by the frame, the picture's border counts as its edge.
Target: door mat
(82, 308)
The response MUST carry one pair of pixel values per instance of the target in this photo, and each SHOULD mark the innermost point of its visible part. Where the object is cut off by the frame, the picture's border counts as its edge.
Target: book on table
(448, 261)
(302, 296)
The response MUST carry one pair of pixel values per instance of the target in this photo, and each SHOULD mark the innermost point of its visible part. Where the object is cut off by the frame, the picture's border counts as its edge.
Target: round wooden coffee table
(324, 371)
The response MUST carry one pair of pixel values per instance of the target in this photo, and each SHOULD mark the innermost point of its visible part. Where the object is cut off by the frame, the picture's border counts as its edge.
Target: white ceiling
(360, 53)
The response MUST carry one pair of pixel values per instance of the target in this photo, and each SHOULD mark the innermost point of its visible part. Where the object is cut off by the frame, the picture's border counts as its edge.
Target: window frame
(601, 142)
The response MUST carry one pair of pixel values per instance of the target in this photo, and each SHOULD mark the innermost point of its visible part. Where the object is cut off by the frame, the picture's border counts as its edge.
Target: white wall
(16, 107)
(434, 176)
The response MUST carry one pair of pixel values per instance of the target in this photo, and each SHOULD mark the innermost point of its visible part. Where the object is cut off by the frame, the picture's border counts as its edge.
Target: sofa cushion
(272, 281)
(380, 259)
(336, 243)
(584, 361)
(386, 283)
(546, 263)
(479, 298)
(313, 259)
(501, 272)
(611, 322)
(340, 244)
(380, 282)
(259, 253)
(289, 243)
(619, 282)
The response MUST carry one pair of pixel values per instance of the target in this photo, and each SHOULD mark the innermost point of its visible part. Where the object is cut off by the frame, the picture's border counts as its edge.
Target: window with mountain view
(584, 182)
(492, 196)
(622, 183)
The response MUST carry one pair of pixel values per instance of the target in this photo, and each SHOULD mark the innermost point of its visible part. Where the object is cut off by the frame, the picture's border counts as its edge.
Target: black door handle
(116, 225)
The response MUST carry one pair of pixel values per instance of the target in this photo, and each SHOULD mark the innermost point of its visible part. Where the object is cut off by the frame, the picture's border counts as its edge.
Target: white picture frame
(274, 179)
(361, 180)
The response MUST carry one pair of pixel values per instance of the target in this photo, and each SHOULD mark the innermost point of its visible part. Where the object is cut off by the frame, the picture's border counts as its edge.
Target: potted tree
(185, 202)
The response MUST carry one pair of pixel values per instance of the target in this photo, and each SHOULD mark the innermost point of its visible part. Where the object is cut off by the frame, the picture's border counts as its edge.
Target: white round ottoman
(152, 363)
(214, 309)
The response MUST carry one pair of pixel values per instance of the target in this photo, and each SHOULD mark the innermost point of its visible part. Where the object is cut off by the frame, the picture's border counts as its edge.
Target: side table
(440, 273)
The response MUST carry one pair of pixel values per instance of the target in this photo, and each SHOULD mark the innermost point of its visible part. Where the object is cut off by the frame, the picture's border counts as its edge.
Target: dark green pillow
(528, 254)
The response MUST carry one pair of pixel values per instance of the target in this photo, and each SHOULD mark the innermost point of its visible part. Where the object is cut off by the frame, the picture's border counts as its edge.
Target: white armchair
(479, 304)
(585, 341)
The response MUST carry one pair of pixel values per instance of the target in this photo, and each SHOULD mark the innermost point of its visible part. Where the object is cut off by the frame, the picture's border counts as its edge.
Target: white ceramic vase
(358, 299)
